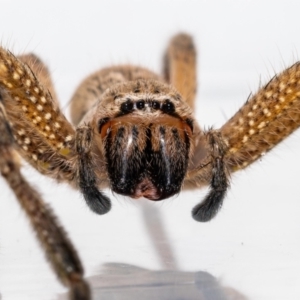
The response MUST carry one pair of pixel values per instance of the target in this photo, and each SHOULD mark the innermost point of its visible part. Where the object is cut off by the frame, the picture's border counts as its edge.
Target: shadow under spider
(121, 281)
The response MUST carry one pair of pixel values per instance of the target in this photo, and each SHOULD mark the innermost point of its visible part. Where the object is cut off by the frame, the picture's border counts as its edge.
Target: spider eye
(140, 104)
(168, 107)
(127, 106)
(155, 105)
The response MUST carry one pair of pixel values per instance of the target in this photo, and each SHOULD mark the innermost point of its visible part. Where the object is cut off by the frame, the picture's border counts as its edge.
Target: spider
(134, 131)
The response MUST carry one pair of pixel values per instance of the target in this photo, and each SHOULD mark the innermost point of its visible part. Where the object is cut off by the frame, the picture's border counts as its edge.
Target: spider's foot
(79, 290)
(209, 208)
(95, 200)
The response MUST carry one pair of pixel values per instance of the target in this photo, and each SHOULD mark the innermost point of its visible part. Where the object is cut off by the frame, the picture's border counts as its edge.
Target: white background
(254, 243)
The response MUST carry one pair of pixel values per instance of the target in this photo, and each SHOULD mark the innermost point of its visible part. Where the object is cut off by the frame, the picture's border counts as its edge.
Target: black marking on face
(123, 161)
(141, 169)
(160, 172)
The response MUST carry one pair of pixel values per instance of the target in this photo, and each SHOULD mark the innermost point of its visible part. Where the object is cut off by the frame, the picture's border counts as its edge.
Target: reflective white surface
(253, 246)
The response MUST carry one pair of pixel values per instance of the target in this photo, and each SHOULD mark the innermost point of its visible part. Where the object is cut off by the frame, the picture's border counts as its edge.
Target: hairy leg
(42, 134)
(265, 120)
(42, 73)
(57, 246)
(180, 67)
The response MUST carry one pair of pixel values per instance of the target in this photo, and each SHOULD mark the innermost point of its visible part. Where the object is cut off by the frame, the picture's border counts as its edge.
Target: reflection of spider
(135, 134)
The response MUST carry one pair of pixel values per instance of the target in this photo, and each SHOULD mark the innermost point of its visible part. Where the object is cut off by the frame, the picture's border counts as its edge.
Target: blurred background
(253, 245)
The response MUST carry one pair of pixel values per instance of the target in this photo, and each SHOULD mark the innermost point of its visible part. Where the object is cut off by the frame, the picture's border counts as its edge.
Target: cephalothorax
(135, 133)
(146, 145)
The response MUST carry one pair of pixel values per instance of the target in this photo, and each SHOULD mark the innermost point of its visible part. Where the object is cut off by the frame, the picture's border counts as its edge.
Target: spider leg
(96, 201)
(43, 135)
(41, 71)
(219, 183)
(180, 67)
(264, 120)
(57, 246)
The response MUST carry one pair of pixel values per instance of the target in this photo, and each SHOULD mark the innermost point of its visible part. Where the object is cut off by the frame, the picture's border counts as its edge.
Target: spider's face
(146, 145)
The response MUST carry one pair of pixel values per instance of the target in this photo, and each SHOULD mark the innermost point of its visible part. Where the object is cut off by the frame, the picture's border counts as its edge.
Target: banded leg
(57, 246)
(180, 67)
(43, 135)
(265, 120)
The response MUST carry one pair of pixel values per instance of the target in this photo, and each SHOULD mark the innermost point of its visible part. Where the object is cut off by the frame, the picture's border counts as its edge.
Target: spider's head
(145, 137)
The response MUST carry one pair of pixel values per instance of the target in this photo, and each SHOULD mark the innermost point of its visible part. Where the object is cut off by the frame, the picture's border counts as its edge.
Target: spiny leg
(180, 67)
(58, 248)
(42, 73)
(265, 120)
(43, 135)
